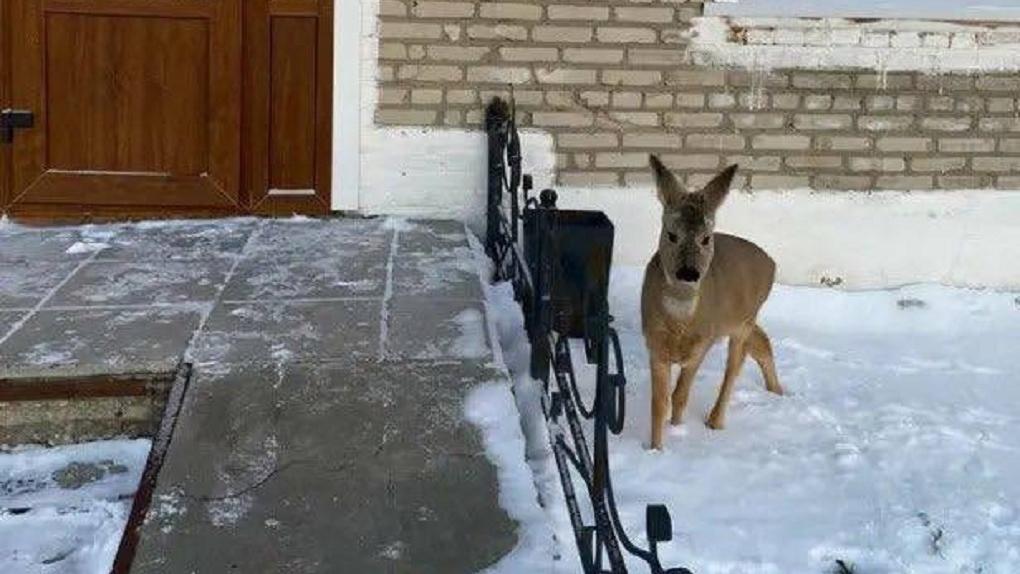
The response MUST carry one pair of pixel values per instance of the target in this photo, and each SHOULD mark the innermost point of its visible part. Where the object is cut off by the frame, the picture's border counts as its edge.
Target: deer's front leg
(660, 398)
(688, 371)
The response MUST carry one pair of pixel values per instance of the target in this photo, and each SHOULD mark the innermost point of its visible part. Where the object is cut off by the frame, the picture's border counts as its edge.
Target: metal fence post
(497, 118)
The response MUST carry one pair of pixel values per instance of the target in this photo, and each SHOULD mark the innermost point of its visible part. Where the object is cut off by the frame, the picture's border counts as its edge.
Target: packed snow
(63, 509)
(894, 451)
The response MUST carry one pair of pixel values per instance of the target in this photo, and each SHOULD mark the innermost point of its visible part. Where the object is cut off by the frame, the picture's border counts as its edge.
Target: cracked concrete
(339, 451)
(323, 429)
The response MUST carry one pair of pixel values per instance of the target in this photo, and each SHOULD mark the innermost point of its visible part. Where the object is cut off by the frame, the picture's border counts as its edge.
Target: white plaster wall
(868, 240)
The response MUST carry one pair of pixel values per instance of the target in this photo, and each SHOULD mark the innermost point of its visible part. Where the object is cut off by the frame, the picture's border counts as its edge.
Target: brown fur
(682, 319)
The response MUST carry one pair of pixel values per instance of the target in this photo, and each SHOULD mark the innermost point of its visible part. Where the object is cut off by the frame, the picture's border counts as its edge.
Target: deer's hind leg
(734, 361)
(760, 349)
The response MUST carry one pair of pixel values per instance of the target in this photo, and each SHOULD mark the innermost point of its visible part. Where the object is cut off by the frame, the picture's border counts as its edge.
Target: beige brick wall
(611, 82)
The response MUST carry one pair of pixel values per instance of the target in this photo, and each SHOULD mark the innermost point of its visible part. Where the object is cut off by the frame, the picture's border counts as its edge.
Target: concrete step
(63, 408)
(353, 466)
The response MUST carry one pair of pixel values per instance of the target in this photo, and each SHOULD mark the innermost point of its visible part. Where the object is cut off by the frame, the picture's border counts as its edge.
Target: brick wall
(612, 81)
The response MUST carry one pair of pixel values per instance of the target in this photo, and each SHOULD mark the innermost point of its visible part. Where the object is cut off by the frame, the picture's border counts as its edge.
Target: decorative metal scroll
(558, 263)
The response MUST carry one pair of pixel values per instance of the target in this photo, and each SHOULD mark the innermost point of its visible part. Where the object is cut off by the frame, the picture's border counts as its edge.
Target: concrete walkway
(323, 428)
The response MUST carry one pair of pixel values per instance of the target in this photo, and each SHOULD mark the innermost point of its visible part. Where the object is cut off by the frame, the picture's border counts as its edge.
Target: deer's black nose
(688, 274)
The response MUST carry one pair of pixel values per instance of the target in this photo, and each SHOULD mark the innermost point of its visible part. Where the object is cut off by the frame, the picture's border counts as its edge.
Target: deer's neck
(679, 302)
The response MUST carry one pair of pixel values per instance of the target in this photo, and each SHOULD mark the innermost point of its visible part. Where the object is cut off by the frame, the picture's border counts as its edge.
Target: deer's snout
(688, 274)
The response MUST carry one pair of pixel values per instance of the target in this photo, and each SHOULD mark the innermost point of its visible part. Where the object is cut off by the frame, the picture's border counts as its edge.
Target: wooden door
(288, 119)
(137, 106)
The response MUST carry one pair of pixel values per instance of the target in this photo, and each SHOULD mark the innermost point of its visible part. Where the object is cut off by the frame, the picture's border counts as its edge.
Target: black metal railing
(558, 262)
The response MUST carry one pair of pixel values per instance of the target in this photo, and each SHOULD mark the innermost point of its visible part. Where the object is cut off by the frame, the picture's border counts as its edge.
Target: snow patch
(401, 224)
(86, 247)
(890, 453)
(471, 342)
(763, 44)
(63, 509)
(491, 407)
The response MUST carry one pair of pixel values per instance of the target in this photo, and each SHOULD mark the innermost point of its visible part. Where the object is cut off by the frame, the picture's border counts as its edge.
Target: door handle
(11, 120)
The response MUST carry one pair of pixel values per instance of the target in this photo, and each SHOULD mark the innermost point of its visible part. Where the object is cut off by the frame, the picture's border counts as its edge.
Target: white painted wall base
(868, 240)
(437, 173)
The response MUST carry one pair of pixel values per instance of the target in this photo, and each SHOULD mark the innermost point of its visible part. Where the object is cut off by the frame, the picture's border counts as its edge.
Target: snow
(396, 225)
(948, 9)
(471, 340)
(491, 407)
(887, 45)
(86, 247)
(63, 509)
(893, 452)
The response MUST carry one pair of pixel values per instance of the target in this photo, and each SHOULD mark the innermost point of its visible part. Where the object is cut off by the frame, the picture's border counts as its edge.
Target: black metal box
(580, 247)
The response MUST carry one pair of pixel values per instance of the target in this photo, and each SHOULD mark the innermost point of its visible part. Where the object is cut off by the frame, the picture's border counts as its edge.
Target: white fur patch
(678, 308)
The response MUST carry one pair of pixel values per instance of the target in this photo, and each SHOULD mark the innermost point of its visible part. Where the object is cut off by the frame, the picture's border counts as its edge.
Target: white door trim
(347, 106)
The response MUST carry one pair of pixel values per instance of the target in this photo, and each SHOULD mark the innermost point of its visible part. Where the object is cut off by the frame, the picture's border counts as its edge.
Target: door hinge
(11, 120)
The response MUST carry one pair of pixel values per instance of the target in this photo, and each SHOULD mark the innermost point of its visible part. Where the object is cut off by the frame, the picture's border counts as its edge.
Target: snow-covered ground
(895, 451)
(63, 509)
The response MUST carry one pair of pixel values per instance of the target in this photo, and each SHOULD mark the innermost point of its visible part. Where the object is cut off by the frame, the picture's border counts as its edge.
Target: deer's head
(686, 244)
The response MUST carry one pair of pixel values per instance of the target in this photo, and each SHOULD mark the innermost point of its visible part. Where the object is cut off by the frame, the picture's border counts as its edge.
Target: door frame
(5, 100)
(347, 98)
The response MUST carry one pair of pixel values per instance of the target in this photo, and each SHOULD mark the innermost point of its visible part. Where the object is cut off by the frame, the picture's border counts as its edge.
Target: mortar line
(354, 299)
(384, 311)
(211, 305)
(46, 299)
(130, 306)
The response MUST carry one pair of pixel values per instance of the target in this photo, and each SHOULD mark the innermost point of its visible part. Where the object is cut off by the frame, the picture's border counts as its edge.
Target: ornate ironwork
(558, 263)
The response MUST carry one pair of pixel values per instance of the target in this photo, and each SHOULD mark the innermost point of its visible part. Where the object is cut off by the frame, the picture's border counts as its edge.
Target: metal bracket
(11, 120)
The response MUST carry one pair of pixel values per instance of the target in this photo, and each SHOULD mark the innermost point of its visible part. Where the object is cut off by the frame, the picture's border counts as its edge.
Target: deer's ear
(665, 182)
(715, 191)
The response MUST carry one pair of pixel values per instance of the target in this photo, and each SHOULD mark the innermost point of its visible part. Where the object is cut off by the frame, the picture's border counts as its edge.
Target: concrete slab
(99, 341)
(357, 466)
(324, 428)
(20, 244)
(302, 239)
(432, 236)
(8, 319)
(434, 259)
(143, 283)
(424, 328)
(442, 275)
(23, 284)
(241, 333)
(180, 240)
(275, 277)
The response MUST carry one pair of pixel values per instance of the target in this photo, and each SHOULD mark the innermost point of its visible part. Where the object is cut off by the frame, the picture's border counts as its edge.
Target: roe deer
(701, 286)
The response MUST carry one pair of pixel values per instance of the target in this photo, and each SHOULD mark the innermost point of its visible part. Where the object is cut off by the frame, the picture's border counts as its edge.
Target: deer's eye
(671, 236)
(706, 239)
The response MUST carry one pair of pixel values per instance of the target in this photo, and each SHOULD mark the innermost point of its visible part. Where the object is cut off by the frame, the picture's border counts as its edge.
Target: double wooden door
(166, 107)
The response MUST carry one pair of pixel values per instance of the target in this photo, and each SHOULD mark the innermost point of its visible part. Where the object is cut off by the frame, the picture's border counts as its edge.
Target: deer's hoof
(715, 423)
